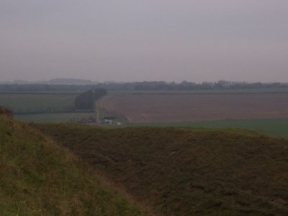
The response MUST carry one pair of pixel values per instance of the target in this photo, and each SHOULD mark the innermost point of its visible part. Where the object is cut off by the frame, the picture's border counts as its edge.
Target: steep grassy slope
(188, 171)
(38, 177)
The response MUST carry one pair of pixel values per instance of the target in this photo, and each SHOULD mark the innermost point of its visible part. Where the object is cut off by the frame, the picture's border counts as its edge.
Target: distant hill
(39, 177)
(70, 81)
(181, 171)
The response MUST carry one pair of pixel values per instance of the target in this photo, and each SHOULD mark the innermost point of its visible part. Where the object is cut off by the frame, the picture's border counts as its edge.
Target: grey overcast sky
(137, 40)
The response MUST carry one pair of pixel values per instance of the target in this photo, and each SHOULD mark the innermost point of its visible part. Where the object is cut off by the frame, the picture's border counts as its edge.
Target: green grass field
(43, 108)
(37, 103)
(272, 127)
(54, 117)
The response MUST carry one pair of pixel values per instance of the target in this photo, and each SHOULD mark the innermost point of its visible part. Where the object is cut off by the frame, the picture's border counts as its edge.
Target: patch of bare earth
(195, 107)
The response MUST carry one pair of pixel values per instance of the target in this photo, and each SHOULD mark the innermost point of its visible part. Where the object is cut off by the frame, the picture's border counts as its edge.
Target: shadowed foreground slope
(38, 177)
(188, 171)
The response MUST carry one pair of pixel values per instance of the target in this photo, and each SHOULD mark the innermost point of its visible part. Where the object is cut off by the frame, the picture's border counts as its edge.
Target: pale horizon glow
(133, 40)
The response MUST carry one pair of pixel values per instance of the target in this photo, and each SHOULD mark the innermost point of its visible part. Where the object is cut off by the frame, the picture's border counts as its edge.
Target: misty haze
(144, 40)
(136, 108)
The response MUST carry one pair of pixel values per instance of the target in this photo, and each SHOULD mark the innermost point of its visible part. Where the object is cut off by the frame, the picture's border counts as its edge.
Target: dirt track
(195, 107)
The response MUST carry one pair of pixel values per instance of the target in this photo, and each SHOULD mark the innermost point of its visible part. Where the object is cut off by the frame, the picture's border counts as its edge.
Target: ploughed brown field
(195, 107)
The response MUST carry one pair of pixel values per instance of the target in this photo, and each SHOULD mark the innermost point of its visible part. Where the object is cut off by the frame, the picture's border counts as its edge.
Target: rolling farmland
(40, 107)
(38, 103)
(152, 108)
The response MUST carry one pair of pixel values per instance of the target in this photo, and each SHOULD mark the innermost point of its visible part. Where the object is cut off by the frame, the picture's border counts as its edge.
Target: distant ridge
(70, 81)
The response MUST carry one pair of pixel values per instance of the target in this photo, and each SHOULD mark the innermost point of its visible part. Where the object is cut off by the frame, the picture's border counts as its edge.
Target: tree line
(145, 85)
(86, 100)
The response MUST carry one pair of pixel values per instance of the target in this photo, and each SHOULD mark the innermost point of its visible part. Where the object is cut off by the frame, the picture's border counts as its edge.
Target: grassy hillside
(38, 177)
(182, 171)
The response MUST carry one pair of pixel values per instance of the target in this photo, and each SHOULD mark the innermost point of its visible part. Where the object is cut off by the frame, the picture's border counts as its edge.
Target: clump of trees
(85, 101)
